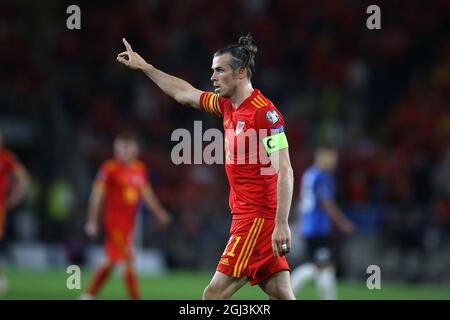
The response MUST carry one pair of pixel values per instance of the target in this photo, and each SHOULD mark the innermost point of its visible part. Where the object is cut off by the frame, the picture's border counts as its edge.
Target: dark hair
(242, 54)
(128, 136)
(326, 147)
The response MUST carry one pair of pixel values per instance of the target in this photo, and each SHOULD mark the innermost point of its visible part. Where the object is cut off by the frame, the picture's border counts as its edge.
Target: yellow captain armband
(275, 143)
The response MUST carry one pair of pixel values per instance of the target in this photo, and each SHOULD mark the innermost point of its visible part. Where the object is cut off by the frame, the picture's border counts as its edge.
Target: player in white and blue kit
(318, 212)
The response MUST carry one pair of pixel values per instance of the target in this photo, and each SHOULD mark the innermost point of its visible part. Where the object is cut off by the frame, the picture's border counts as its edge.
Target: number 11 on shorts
(231, 253)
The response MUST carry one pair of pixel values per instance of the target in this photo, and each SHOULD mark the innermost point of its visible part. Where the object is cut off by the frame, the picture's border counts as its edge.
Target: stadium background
(381, 95)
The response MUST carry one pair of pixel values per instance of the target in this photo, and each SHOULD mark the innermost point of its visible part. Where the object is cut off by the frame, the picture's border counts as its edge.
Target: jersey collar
(248, 99)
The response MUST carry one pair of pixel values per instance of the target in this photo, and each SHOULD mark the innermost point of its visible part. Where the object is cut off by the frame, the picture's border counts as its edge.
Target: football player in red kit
(14, 182)
(119, 187)
(260, 199)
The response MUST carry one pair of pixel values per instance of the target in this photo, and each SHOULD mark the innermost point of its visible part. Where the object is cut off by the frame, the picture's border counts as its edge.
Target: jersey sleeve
(324, 188)
(103, 177)
(269, 118)
(10, 161)
(212, 103)
(272, 121)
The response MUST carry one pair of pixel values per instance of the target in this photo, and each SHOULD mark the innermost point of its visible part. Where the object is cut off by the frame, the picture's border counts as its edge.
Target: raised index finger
(127, 45)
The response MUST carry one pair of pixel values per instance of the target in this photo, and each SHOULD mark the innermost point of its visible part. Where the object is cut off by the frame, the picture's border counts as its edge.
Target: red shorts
(249, 251)
(119, 245)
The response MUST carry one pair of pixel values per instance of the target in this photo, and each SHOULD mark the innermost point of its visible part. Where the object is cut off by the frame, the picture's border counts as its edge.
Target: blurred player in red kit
(260, 201)
(14, 182)
(118, 189)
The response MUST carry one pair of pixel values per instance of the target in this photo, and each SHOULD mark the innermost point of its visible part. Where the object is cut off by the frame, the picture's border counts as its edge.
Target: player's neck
(125, 163)
(241, 94)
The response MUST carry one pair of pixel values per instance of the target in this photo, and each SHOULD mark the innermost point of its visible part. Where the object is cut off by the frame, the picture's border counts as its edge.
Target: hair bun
(246, 43)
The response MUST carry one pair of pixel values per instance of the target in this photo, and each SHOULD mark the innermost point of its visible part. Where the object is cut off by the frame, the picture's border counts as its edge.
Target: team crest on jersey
(240, 125)
(272, 116)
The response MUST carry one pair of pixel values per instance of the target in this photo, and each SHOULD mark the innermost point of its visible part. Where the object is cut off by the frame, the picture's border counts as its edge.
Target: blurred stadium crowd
(383, 96)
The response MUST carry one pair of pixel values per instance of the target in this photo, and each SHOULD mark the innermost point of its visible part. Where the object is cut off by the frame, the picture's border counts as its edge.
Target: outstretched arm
(180, 90)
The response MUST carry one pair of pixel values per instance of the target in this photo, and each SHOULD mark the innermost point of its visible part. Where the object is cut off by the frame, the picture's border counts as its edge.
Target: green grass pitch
(51, 285)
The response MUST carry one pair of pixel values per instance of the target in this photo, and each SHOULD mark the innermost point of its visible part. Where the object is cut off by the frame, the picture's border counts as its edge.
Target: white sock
(86, 296)
(326, 283)
(301, 275)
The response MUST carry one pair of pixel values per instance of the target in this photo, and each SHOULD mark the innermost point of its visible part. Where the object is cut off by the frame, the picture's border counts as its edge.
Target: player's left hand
(164, 219)
(281, 239)
(91, 229)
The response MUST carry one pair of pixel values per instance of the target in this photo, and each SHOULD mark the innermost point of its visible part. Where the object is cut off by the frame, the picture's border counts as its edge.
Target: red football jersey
(123, 185)
(253, 183)
(7, 164)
